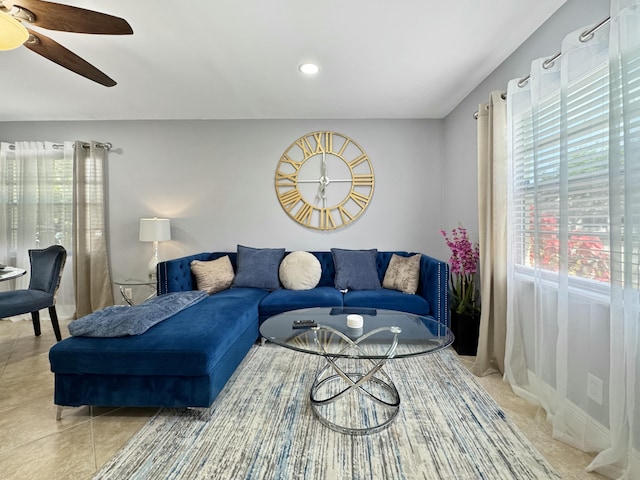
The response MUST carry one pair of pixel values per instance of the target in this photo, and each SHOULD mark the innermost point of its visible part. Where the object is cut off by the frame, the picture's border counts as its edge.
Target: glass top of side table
(385, 333)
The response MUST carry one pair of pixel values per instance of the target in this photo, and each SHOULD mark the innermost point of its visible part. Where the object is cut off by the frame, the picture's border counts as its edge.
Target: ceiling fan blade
(65, 18)
(55, 52)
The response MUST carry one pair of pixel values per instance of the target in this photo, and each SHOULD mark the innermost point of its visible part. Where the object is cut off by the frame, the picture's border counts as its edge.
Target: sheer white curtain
(574, 240)
(55, 194)
(36, 209)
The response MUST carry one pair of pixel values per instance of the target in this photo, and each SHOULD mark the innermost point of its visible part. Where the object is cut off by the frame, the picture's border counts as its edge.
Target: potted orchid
(465, 304)
(463, 264)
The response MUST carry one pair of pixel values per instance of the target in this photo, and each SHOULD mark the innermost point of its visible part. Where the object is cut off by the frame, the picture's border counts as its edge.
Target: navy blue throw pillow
(356, 269)
(258, 267)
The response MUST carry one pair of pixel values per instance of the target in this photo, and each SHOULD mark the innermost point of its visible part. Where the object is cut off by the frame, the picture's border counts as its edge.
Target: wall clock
(324, 180)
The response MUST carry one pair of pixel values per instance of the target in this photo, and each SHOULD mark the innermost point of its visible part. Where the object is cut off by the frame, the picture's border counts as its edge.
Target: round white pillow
(300, 271)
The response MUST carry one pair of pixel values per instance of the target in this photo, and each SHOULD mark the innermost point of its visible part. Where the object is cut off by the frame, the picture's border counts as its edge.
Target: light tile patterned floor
(34, 446)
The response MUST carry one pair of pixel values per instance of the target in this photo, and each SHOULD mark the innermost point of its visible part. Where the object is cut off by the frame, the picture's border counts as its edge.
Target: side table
(128, 286)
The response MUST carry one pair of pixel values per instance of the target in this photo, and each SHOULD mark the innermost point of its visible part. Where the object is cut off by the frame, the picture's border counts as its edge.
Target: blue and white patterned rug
(261, 427)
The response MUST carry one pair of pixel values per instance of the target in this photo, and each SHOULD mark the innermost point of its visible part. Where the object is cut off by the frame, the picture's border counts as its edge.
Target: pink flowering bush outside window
(587, 254)
(463, 264)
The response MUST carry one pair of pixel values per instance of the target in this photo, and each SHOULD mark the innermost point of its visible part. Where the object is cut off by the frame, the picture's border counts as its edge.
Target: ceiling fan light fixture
(309, 68)
(12, 32)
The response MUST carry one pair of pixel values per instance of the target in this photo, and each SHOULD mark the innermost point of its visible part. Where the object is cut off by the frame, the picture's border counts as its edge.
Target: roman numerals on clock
(324, 180)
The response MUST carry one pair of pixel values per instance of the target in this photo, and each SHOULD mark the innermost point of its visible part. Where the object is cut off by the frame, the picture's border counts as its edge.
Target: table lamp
(154, 230)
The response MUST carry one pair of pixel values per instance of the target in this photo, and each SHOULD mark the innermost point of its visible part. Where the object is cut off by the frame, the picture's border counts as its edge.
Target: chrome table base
(347, 398)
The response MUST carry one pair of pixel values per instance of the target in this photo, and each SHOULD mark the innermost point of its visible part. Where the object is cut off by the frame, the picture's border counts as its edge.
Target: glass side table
(129, 286)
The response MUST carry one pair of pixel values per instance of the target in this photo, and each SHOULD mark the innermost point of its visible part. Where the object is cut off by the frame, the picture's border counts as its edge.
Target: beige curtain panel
(92, 277)
(492, 218)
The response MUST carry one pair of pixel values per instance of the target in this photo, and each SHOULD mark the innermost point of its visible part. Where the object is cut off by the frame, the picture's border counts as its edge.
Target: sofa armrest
(434, 287)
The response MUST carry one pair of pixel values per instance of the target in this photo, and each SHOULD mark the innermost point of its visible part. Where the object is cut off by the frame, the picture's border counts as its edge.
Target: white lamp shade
(155, 229)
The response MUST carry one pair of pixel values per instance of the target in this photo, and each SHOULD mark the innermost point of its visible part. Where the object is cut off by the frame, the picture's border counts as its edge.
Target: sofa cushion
(189, 343)
(258, 267)
(388, 300)
(403, 273)
(284, 300)
(213, 276)
(356, 269)
(300, 271)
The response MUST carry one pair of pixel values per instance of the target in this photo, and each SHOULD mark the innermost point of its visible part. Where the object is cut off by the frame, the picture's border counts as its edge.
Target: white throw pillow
(300, 271)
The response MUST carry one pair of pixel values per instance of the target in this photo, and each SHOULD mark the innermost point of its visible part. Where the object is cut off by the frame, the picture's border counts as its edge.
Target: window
(39, 198)
(561, 181)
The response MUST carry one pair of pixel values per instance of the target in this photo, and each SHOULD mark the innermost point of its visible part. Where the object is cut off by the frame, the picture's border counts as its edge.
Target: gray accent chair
(46, 270)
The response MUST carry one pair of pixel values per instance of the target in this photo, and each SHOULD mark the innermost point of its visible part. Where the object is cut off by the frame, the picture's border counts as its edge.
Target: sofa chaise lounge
(185, 360)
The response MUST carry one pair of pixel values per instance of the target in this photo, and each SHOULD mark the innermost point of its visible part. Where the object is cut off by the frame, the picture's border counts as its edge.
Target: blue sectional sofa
(185, 360)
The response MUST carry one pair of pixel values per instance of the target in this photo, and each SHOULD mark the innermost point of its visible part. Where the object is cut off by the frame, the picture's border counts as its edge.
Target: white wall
(460, 168)
(215, 181)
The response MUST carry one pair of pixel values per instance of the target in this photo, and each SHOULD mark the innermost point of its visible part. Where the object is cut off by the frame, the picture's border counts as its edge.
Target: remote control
(304, 323)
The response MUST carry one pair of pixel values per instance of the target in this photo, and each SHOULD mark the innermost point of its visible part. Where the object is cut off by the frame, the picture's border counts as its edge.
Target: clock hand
(324, 181)
(322, 193)
(323, 169)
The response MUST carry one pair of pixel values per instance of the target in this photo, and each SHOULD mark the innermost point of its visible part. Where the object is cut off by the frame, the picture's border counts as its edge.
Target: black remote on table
(304, 323)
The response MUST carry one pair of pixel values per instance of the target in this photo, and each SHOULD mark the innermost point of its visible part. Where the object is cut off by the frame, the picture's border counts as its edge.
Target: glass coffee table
(351, 392)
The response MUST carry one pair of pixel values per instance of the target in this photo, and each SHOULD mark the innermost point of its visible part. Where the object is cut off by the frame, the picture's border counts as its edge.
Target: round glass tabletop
(9, 273)
(324, 331)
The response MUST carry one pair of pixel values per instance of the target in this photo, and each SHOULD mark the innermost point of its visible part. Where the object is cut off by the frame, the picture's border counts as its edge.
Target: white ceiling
(238, 59)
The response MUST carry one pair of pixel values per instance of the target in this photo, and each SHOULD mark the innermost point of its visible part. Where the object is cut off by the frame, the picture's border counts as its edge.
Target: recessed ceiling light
(309, 68)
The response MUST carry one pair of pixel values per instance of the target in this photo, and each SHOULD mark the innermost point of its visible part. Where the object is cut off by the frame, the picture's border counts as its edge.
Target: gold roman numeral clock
(324, 180)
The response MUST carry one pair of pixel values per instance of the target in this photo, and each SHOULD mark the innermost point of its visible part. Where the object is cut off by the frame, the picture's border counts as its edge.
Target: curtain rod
(548, 63)
(107, 146)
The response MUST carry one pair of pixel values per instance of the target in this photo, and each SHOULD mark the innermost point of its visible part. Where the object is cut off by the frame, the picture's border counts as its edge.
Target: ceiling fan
(64, 18)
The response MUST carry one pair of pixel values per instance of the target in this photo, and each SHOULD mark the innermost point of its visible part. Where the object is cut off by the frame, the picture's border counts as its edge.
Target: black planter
(466, 329)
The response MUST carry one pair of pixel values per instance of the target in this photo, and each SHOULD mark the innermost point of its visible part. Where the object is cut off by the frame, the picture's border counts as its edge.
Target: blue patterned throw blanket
(120, 320)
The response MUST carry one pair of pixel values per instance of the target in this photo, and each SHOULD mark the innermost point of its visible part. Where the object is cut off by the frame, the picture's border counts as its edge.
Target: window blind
(561, 177)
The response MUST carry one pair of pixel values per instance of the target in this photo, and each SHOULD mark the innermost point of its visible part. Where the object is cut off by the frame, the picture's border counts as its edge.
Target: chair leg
(54, 321)
(35, 317)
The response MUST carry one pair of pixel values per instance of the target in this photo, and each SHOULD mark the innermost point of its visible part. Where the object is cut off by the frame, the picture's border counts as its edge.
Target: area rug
(261, 426)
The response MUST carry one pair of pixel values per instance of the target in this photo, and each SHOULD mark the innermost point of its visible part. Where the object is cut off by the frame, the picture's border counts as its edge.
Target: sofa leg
(262, 341)
(59, 413)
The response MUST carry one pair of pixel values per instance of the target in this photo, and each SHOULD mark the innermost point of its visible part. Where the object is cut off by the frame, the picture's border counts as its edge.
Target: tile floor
(34, 446)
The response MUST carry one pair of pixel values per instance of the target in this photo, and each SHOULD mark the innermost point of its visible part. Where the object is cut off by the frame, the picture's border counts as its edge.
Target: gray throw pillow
(356, 269)
(213, 276)
(258, 267)
(403, 273)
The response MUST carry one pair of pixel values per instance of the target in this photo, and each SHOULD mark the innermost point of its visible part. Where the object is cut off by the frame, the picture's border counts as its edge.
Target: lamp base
(153, 263)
